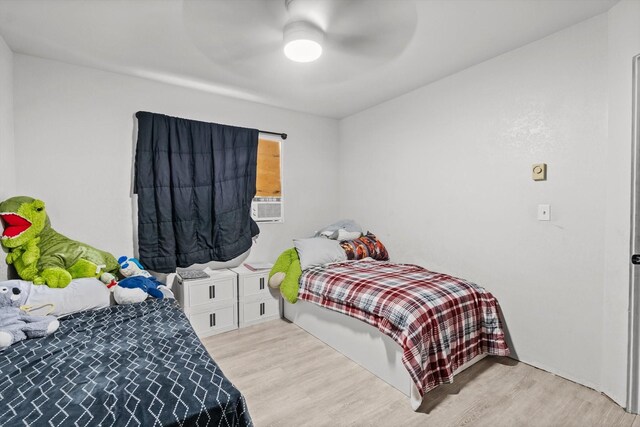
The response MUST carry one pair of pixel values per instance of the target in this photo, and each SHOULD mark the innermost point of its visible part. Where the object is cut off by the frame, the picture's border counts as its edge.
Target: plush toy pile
(45, 257)
(16, 324)
(42, 255)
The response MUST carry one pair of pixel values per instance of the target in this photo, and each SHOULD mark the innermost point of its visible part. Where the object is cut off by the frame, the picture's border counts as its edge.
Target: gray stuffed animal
(15, 324)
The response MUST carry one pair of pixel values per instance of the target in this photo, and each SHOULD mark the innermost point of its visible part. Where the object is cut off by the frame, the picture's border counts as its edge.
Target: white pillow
(317, 251)
(79, 295)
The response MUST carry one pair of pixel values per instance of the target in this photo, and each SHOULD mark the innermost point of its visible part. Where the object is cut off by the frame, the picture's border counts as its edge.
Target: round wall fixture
(302, 41)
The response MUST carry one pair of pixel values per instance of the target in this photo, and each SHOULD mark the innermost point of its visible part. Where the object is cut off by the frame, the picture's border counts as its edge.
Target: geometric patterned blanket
(440, 321)
(125, 365)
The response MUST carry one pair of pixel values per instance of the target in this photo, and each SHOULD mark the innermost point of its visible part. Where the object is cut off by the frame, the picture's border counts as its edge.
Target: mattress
(133, 365)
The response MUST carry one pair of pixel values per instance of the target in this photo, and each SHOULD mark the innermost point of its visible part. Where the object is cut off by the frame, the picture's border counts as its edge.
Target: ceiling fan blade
(249, 53)
(242, 29)
(375, 28)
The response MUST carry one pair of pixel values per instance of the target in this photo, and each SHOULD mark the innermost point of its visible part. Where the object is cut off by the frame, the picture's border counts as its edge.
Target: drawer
(211, 291)
(254, 285)
(255, 311)
(210, 321)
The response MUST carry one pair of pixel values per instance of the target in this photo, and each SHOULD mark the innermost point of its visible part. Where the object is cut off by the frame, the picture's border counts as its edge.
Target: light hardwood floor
(290, 378)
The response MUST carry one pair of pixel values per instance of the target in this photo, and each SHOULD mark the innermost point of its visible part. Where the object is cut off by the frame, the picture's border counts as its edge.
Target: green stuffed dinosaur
(286, 273)
(42, 255)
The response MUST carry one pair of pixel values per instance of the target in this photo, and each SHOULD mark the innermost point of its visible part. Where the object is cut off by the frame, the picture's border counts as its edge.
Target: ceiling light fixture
(302, 41)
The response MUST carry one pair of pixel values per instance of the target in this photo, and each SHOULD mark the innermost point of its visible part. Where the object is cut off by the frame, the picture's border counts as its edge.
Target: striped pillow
(365, 246)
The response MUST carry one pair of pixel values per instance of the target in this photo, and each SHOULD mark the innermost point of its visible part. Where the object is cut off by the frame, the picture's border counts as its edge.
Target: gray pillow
(317, 251)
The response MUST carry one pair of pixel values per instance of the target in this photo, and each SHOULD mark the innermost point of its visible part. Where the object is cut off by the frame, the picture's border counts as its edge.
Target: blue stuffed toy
(137, 284)
(147, 284)
(136, 289)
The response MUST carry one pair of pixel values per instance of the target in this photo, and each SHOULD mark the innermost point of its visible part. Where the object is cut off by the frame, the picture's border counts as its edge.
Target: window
(267, 204)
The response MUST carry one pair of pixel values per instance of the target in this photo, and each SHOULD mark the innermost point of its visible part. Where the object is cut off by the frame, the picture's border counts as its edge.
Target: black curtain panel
(194, 182)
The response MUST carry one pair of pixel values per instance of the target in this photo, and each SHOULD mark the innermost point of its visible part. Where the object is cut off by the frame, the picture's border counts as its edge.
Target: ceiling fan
(360, 32)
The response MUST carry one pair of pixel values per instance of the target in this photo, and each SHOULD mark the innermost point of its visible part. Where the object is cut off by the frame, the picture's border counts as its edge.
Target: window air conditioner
(267, 209)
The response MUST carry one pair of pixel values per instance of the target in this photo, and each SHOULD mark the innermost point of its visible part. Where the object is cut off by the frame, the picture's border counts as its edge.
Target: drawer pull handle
(212, 292)
(212, 319)
(261, 283)
(262, 310)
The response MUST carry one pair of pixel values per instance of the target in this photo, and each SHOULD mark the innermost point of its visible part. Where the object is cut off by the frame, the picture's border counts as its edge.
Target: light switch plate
(544, 213)
(539, 172)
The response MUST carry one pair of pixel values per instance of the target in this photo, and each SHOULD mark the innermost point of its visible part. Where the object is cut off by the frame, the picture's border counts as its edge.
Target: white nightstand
(256, 301)
(210, 304)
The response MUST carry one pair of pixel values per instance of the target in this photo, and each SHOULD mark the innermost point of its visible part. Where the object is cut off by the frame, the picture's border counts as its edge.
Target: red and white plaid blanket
(440, 321)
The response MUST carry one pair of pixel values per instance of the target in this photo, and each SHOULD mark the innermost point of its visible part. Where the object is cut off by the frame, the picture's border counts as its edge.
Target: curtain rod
(281, 135)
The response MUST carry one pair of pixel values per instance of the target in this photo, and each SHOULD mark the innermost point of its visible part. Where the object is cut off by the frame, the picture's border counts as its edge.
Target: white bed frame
(360, 342)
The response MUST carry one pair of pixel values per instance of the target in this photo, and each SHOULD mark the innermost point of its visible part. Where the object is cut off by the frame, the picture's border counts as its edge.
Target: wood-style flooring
(290, 378)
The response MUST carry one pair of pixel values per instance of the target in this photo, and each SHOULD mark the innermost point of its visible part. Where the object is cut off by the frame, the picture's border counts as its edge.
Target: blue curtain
(195, 182)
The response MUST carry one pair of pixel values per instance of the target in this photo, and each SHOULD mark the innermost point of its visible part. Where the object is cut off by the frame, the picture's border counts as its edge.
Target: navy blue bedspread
(126, 365)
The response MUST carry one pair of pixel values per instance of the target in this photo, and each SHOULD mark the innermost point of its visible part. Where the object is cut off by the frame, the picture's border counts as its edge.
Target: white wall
(74, 130)
(623, 45)
(443, 175)
(7, 169)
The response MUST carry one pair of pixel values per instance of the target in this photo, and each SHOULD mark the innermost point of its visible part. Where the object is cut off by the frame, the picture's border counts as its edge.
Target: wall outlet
(544, 213)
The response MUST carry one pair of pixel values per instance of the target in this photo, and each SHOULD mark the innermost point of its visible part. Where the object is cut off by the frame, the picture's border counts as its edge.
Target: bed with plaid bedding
(441, 322)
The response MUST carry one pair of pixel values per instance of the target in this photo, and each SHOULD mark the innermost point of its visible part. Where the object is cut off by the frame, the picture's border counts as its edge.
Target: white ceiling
(375, 49)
